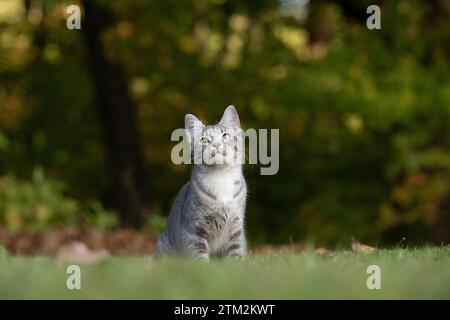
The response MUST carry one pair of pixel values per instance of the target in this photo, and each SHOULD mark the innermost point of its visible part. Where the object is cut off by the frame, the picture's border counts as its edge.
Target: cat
(207, 217)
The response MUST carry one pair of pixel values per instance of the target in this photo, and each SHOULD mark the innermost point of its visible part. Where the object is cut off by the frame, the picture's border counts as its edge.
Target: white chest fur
(222, 184)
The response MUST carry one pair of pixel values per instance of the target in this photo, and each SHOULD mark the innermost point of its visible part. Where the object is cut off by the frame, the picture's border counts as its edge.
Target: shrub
(41, 202)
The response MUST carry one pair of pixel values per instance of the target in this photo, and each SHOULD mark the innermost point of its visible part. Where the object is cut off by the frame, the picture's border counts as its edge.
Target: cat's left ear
(193, 127)
(230, 118)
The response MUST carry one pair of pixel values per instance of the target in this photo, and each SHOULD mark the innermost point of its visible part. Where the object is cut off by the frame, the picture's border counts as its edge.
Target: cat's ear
(193, 126)
(230, 118)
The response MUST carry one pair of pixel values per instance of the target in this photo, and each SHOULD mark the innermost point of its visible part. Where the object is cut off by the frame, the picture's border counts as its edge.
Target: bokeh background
(86, 115)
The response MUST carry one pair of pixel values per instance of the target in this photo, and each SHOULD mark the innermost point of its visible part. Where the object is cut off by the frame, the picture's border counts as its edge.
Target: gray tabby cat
(207, 217)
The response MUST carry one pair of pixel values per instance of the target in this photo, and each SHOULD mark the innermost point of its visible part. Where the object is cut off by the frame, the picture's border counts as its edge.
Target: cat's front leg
(236, 244)
(199, 244)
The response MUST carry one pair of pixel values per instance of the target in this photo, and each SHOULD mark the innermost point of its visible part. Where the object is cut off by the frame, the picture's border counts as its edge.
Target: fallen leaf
(359, 247)
(322, 251)
(77, 251)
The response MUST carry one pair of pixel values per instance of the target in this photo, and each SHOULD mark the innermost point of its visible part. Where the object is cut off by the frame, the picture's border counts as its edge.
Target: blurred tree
(117, 112)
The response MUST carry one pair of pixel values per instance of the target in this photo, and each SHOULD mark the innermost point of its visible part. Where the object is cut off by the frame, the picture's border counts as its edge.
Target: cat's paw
(202, 257)
(236, 256)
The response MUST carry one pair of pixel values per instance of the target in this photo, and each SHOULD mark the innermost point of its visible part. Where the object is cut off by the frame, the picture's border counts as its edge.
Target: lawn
(405, 274)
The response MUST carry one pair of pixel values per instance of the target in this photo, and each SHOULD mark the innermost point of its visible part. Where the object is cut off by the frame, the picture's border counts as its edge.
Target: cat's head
(216, 145)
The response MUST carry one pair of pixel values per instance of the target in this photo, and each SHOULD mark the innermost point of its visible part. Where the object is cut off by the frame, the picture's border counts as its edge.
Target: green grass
(405, 274)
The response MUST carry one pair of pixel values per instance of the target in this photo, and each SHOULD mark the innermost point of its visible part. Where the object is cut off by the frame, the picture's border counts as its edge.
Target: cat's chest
(223, 186)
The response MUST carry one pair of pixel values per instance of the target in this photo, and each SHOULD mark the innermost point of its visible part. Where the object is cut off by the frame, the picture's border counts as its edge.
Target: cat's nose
(216, 145)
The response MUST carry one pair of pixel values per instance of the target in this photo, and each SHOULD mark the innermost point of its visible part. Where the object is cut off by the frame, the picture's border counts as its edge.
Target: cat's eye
(226, 136)
(204, 140)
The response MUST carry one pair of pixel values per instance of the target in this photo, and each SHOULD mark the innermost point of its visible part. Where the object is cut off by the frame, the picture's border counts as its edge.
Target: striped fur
(207, 217)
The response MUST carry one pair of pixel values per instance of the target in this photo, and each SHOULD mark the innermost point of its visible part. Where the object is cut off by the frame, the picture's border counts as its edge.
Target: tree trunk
(117, 112)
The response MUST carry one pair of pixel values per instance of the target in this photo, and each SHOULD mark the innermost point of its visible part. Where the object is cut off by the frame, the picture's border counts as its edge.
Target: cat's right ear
(193, 126)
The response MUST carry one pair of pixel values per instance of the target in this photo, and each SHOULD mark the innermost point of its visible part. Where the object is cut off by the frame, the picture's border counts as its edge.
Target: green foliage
(37, 203)
(41, 203)
(155, 224)
(100, 217)
(4, 142)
